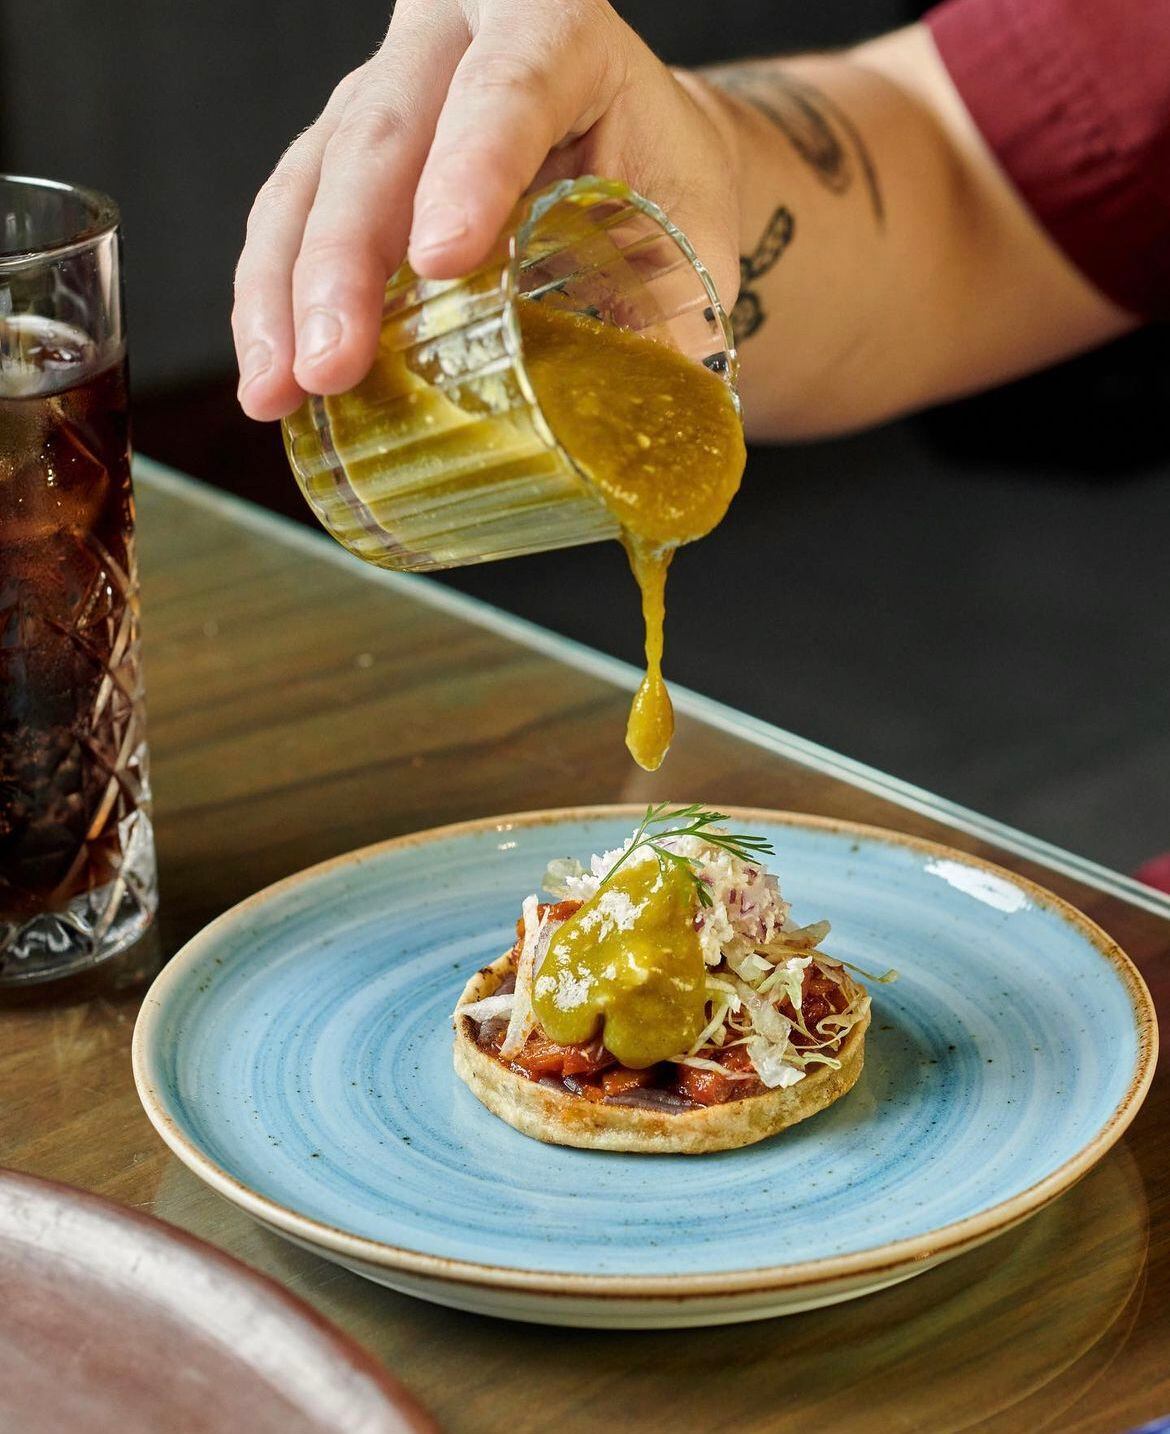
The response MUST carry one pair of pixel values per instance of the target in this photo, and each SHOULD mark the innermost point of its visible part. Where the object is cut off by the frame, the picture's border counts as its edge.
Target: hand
(424, 150)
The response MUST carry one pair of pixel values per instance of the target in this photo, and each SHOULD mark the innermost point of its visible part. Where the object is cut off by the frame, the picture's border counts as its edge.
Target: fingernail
(436, 225)
(318, 335)
(257, 360)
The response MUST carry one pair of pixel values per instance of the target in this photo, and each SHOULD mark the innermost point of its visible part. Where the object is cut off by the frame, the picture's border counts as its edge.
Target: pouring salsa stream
(504, 415)
(661, 441)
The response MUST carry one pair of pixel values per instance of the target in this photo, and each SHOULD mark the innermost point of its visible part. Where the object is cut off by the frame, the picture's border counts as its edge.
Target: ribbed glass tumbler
(442, 455)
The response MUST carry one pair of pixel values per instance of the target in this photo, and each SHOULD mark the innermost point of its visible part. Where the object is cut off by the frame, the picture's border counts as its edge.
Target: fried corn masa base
(561, 1118)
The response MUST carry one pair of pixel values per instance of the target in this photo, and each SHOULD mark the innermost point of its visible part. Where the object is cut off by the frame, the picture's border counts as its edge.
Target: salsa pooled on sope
(664, 1000)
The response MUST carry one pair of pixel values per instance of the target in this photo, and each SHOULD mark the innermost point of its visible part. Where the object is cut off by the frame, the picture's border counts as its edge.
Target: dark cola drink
(76, 851)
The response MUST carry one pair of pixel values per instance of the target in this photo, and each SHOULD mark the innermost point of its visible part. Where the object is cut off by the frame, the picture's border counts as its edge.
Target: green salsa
(628, 964)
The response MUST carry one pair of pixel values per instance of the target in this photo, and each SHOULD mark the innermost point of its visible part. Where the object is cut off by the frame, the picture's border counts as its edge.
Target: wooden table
(302, 704)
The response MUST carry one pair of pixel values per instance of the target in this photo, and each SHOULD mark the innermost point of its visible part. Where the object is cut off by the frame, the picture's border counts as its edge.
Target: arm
(886, 262)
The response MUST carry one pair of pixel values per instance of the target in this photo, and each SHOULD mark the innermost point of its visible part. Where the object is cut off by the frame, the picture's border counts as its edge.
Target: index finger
(533, 77)
(262, 313)
(355, 233)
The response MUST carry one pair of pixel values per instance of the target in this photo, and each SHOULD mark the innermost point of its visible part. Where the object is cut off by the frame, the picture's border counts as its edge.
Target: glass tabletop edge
(720, 715)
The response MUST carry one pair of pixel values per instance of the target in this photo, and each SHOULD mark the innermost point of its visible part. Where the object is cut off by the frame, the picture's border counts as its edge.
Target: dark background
(974, 599)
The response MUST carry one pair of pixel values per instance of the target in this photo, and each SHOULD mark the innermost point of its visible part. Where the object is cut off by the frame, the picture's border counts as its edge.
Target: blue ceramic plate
(297, 1056)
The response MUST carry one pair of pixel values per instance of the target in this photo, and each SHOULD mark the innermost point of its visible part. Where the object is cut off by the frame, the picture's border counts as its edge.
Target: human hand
(422, 153)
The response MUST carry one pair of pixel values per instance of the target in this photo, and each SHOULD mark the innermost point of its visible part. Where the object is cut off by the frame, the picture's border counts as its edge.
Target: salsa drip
(589, 1070)
(660, 439)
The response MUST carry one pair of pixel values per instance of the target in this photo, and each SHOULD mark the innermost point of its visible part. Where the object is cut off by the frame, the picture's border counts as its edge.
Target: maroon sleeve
(1073, 98)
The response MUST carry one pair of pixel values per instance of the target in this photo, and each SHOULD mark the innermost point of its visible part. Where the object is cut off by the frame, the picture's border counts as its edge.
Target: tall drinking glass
(77, 867)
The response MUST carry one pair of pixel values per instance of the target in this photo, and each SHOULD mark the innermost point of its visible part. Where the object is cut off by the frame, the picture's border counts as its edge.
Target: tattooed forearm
(824, 137)
(748, 313)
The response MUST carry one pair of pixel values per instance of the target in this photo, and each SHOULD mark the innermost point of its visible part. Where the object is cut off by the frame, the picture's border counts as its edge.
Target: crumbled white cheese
(746, 908)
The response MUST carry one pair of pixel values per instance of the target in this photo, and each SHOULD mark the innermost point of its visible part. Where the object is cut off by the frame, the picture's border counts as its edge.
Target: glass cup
(442, 455)
(77, 867)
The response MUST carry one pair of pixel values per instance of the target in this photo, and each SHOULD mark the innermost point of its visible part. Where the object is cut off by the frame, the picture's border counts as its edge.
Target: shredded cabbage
(702, 1064)
(757, 958)
(563, 876)
(771, 1066)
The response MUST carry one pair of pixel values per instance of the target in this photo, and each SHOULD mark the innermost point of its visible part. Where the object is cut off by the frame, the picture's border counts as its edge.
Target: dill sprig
(693, 820)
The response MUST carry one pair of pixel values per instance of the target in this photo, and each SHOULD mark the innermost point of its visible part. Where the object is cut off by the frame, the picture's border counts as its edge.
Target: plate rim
(874, 1262)
(21, 1186)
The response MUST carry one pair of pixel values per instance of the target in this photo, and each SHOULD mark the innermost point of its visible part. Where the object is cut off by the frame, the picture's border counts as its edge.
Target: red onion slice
(648, 1097)
(487, 1033)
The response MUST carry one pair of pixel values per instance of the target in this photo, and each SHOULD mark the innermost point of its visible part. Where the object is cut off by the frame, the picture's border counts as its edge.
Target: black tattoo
(748, 313)
(824, 137)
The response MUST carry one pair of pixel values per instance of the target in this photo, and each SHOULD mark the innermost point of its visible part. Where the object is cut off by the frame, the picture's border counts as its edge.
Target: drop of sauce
(628, 965)
(660, 439)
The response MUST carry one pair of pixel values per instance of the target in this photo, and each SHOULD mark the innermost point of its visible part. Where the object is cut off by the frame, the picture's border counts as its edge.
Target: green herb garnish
(689, 821)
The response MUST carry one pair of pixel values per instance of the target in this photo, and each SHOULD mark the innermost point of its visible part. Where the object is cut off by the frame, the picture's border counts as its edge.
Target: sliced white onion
(523, 1017)
(489, 1008)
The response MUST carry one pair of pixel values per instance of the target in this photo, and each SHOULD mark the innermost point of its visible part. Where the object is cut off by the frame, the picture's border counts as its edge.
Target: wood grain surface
(297, 710)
